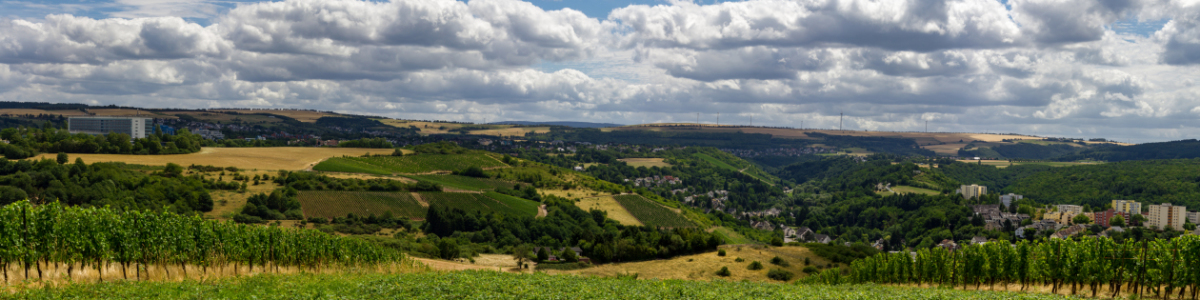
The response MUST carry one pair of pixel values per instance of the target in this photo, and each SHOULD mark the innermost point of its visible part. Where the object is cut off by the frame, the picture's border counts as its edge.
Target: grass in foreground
(486, 285)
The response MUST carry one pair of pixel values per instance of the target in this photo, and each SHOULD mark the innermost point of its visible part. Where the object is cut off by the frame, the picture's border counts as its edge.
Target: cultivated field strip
(652, 214)
(480, 202)
(332, 204)
(423, 163)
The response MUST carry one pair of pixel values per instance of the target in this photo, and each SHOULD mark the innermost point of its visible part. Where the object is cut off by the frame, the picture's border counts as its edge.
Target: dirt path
(454, 190)
(542, 211)
(442, 265)
(417, 197)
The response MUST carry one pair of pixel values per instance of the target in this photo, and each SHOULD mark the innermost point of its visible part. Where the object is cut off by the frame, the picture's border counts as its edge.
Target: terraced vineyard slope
(651, 213)
(481, 202)
(332, 204)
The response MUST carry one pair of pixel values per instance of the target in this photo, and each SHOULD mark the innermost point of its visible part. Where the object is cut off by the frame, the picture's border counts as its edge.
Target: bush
(778, 261)
(739, 259)
(806, 261)
(724, 272)
(809, 270)
(755, 266)
(779, 274)
(721, 252)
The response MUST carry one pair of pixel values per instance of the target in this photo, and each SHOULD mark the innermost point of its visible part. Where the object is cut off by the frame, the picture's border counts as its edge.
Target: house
(821, 238)
(979, 240)
(948, 245)
(1007, 200)
(1110, 230)
(579, 168)
(1069, 231)
(796, 234)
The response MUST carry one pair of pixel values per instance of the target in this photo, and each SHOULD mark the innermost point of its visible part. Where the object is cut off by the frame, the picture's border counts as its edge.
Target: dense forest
(601, 239)
(24, 142)
(1166, 150)
(108, 184)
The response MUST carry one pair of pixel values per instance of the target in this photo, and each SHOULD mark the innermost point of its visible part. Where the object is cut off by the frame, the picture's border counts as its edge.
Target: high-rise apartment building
(1074, 209)
(135, 127)
(972, 191)
(1127, 206)
(1167, 216)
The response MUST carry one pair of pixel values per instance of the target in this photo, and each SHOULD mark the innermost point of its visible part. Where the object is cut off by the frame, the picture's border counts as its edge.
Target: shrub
(779, 274)
(806, 261)
(778, 261)
(755, 266)
(724, 272)
(809, 270)
(721, 252)
(739, 259)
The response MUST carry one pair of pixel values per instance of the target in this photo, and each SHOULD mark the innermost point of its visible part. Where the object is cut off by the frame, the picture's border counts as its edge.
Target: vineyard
(491, 285)
(479, 202)
(331, 204)
(347, 165)
(1098, 266)
(423, 163)
(464, 182)
(652, 214)
(34, 240)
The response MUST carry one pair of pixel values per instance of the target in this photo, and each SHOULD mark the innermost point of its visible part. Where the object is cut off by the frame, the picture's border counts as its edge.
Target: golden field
(272, 158)
(705, 265)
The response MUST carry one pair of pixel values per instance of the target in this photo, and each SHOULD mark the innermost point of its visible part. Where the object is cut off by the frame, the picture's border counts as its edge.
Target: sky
(1125, 70)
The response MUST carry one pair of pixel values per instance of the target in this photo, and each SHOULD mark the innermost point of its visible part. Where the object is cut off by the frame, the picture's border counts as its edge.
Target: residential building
(1167, 216)
(979, 240)
(1103, 218)
(1007, 200)
(1193, 217)
(135, 127)
(1076, 209)
(1061, 217)
(972, 191)
(1069, 231)
(1129, 207)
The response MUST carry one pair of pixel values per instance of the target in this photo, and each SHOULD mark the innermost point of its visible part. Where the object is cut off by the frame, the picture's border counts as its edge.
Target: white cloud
(1043, 67)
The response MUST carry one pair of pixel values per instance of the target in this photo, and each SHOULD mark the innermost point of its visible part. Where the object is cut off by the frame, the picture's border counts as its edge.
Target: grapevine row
(1165, 267)
(32, 236)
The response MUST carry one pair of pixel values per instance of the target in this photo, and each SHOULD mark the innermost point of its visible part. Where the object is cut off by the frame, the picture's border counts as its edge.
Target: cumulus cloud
(1033, 66)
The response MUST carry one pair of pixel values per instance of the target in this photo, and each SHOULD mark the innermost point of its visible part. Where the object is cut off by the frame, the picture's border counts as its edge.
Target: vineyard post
(1141, 271)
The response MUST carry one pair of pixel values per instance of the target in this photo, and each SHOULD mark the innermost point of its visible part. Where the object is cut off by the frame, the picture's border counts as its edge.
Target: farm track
(420, 201)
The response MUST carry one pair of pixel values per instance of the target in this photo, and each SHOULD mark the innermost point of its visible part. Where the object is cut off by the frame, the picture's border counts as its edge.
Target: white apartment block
(1167, 216)
(1073, 209)
(1127, 206)
(972, 191)
(135, 127)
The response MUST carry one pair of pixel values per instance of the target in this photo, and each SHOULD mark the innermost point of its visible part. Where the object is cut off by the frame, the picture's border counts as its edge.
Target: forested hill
(1152, 181)
(1165, 150)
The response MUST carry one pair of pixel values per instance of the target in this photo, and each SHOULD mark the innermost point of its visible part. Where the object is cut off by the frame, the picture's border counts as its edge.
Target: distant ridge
(559, 123)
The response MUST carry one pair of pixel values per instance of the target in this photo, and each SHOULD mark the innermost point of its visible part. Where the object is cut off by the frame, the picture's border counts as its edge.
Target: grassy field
(330, 204)
(464, 182)
(424, 163)
(753, 172)
(651, 213)
(645, 162)
(511, 131)
(477, 202)
(268, 158)
(901, 189)
(732, 237)
(703, 266)
(485, 285)
(611, 206)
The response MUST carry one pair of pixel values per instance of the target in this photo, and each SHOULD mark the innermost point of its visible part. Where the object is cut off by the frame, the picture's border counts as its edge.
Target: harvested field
(645, 162)
(511, 131)
(273, 158)
(426, 127)
(299, 115)
(31, 111)
(331, 204)
(705, 265)
(611, 206)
